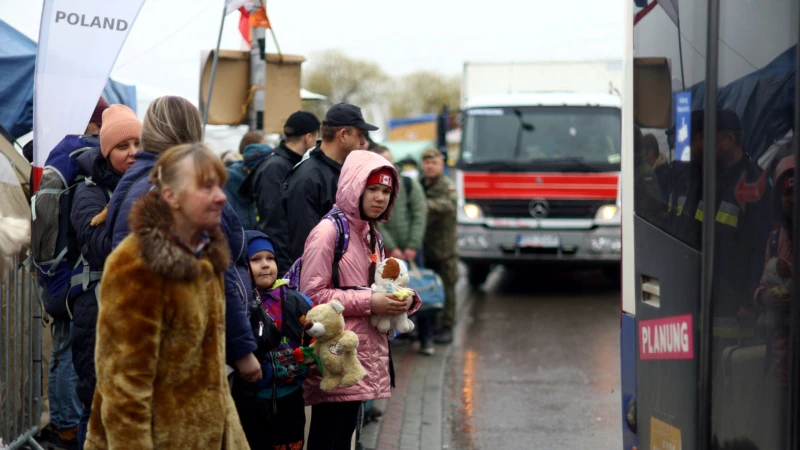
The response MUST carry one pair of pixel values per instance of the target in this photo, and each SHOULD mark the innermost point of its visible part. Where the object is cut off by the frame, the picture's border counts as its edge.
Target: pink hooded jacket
(315, 281)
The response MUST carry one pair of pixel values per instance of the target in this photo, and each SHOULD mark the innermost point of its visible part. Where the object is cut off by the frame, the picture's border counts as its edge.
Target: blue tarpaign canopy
(17, 62)
(763, 99)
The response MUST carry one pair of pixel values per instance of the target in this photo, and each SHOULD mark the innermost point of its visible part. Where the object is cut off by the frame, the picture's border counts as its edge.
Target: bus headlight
(473, 211)
(607, 215)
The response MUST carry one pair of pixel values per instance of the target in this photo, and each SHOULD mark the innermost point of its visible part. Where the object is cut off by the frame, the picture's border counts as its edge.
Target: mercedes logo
(539, 208)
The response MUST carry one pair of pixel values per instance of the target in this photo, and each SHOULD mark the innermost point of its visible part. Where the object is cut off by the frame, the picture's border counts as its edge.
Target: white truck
(538, 171)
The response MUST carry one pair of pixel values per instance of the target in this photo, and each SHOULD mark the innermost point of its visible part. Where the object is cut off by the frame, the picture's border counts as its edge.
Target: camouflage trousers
(448, 271)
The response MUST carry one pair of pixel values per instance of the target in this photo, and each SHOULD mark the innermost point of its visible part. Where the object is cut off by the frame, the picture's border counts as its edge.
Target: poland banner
(79, 41)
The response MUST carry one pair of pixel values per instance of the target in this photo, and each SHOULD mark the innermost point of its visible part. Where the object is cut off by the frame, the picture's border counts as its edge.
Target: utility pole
(258, 75)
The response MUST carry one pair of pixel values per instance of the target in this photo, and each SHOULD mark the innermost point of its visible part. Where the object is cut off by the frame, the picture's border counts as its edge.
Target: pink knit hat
(119, 125)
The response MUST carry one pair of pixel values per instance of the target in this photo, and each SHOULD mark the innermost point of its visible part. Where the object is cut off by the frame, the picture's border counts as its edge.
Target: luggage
(429, 287)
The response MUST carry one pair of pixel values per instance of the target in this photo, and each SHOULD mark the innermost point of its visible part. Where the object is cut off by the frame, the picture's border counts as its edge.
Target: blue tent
(17, 61)
(763, 99)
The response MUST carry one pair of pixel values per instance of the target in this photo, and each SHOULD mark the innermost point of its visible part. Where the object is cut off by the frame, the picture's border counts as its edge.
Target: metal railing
(20, 357)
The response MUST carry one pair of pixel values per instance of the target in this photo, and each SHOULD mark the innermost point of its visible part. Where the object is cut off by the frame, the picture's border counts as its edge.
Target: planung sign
(79, 41)
(666, 338)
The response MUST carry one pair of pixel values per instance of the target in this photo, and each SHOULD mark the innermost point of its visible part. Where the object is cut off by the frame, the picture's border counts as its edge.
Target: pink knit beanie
(119, 125)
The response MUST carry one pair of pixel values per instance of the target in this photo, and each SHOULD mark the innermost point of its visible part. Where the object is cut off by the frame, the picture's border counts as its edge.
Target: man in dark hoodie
(238, 172)
(310, 189)
(265, 183)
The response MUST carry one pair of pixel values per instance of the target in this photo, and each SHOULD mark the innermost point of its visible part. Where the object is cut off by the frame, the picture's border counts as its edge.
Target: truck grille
(559, 209)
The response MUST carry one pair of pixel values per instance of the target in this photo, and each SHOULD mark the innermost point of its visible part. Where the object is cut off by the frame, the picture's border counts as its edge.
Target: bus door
(713, 177)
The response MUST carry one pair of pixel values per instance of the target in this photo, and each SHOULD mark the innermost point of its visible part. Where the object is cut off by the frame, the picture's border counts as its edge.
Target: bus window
(753, 246)
(668, 179)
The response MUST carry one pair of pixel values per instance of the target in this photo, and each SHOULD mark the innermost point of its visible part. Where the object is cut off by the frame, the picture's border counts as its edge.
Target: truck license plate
(538, 241)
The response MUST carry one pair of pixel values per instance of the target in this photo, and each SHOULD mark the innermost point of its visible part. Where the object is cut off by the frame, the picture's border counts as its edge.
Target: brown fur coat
(160, 353)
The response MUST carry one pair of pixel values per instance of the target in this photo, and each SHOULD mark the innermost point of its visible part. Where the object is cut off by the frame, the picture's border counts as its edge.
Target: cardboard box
(232, 88)
(652, 92)
(282, 95)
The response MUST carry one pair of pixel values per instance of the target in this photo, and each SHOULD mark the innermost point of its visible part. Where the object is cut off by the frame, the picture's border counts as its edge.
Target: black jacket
(264, 185)
(309, 193)
(95, 244)
(743, 223)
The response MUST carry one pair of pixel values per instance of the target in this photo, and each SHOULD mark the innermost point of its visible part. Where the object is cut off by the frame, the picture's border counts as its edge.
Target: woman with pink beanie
(119, 142)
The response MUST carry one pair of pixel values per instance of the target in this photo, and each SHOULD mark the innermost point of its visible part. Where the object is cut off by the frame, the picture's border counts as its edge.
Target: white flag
(79, 41)
(233, 5)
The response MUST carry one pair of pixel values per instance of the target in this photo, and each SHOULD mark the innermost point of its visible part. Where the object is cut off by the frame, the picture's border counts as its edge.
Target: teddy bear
(391, 276)
(777, 278)
(334, 346)
(15, 233)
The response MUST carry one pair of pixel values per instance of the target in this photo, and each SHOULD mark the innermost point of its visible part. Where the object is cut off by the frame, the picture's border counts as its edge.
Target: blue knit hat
(254, 153)
(258, 241)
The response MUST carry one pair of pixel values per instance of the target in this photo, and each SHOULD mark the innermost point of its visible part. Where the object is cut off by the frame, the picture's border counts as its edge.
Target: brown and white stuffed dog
(391, 276)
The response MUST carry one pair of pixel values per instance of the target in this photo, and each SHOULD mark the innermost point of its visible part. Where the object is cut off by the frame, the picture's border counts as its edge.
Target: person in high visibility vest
(742, 215)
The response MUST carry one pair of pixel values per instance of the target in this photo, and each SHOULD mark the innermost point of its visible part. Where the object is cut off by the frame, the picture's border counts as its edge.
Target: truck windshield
(584, 134)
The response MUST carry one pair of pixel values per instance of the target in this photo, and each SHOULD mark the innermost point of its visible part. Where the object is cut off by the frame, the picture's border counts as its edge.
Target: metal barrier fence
(20, 357)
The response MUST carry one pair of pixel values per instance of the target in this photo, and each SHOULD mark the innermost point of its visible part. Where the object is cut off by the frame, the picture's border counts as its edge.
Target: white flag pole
(207, 106)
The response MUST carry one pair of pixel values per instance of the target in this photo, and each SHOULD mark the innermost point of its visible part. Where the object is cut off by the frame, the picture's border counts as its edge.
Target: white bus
(710, 322)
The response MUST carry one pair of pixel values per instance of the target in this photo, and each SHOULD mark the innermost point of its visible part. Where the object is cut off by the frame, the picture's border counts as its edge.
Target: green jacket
(440, 235)
(406, 227)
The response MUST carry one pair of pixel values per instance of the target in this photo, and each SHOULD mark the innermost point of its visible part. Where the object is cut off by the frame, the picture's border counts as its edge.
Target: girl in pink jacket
(366, 192)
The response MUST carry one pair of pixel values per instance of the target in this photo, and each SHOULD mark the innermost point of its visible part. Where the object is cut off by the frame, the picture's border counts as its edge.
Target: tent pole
(214, 69)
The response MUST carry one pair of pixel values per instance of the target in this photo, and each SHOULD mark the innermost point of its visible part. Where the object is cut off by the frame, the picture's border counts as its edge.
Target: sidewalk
(414, 417)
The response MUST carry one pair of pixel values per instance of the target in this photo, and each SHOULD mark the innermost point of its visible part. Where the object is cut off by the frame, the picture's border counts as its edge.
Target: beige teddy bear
(335, 346)
(15, 233)
(391, 276)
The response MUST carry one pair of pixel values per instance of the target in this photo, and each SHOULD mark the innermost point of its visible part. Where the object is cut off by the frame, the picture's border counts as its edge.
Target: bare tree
(343, 78)
(424, 92)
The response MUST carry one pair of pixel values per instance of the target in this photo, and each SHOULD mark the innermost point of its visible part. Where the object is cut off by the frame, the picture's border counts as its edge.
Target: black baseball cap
(300, 123)
(346, 115)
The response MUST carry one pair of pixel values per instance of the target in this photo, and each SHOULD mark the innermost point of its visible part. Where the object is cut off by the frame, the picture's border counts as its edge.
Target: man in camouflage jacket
(439, 247)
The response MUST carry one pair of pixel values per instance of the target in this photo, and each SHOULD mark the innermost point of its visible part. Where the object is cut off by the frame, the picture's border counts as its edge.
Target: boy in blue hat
(272, 410)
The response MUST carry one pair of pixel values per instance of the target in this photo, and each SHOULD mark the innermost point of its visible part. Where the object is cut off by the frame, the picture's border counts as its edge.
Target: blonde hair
(167, 171)
(170, 121)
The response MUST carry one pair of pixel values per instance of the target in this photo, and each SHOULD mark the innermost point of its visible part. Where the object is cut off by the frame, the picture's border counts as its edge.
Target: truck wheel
(477, 273)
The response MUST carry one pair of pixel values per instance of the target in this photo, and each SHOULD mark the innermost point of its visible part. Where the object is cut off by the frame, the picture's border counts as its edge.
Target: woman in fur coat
(160, 357)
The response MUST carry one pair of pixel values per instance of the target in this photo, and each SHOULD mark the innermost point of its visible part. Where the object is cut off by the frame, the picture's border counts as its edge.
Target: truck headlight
(607, 214)
(473, 211)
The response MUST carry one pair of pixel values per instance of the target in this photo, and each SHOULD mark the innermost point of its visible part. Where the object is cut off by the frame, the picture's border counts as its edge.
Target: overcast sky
(163, 48)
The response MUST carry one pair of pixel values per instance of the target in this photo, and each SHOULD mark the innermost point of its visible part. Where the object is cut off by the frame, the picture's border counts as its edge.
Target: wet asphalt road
(536, 364)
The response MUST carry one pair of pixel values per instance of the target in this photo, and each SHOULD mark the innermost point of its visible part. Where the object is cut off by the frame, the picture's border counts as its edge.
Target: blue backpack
(339, 220)
(63, 273)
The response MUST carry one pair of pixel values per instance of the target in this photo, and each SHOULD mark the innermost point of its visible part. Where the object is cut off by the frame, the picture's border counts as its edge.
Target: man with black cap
(310, 188)
(742, 213)
(265, 182)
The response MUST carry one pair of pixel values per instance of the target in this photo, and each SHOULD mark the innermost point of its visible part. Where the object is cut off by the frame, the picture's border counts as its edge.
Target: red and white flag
(233, 5)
